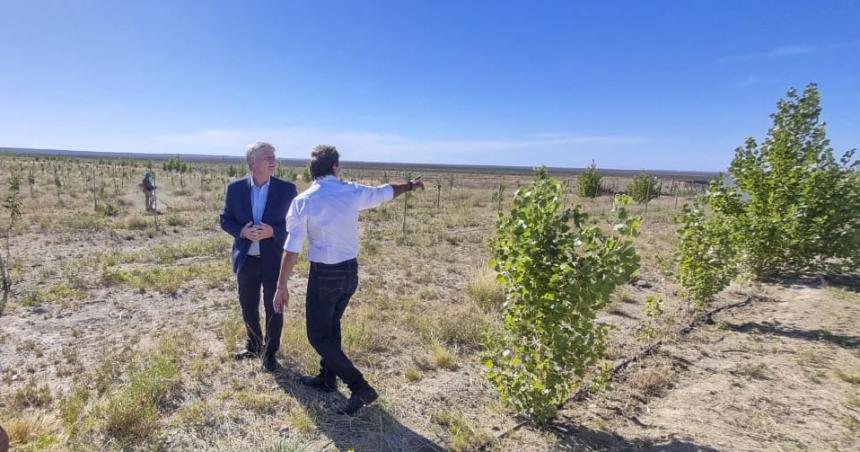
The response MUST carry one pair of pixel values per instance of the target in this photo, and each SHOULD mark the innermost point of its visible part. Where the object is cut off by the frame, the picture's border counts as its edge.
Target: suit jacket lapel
(246, 198)
(269, 196)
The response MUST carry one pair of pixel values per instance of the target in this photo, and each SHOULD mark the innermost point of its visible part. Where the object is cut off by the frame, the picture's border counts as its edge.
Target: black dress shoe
(270, 363)
(246, 354)
(319, 383)
(357, 400)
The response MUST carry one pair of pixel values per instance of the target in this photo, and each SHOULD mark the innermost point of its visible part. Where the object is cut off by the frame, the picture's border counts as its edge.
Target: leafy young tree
(558, 270)
(588, 183)
(175, 164)
(707, 256)
(803, 211)
(498, 197)
(795, 208)
(644, 188)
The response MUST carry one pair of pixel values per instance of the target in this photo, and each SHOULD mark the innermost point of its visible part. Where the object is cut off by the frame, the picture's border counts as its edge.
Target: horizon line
(458, 167)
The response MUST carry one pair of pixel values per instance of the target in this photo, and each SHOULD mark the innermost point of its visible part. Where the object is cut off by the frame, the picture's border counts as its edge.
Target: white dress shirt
(327, 215)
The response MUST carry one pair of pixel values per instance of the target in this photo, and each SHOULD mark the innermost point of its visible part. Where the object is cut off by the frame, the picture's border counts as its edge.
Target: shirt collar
(252, 185)
(326, 178)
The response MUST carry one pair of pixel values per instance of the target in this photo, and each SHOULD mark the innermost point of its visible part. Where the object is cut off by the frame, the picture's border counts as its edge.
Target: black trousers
(329, 289)
(250, 280)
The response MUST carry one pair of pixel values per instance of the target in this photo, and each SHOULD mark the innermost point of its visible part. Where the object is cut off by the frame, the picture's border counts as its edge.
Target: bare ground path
(781, 373)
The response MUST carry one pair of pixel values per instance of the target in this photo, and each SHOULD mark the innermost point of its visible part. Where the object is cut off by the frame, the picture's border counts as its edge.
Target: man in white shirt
(326, 214)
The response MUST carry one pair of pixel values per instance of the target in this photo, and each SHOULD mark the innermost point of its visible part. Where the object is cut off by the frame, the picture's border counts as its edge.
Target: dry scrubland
(118, 336)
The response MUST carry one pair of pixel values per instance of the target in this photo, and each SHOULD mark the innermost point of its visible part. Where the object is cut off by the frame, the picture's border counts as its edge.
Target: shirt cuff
(293, 244)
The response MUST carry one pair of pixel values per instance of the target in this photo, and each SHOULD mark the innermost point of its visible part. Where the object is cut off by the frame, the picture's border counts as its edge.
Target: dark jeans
(250, 279)
(329, 290)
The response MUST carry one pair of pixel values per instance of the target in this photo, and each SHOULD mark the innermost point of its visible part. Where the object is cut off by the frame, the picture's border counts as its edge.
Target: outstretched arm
(416, 183)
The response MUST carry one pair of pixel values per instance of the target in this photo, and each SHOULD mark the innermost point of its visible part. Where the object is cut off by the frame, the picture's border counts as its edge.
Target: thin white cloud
(784, 51)
(790, 50)
(378, 146)
(800, 49)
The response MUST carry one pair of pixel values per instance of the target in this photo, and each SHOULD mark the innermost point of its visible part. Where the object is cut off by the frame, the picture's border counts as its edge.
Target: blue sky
(637, 84)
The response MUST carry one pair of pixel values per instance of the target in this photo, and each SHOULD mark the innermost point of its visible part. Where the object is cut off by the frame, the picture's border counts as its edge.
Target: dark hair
(323, 160)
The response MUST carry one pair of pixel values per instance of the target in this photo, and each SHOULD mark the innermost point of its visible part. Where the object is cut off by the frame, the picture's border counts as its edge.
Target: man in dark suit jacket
(255, 211)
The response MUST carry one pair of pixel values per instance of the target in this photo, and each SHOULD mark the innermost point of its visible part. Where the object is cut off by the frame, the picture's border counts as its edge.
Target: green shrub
(706, 255)
(644, 188)
(588, 182)
(803, 211)
(652, 311)
(558, 270)
(795, 209)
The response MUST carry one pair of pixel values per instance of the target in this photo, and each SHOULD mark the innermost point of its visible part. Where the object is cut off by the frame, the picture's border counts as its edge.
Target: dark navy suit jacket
(237, 213)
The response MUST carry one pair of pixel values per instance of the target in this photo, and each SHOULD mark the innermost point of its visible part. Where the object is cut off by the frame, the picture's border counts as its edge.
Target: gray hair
(252, 149)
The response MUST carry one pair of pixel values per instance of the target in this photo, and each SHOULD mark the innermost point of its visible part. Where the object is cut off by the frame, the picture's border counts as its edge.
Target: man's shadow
(574, 437)
(371, 429)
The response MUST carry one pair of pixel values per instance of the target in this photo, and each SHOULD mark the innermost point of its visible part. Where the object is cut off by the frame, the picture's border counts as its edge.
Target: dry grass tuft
(484, 290)
(650, 381)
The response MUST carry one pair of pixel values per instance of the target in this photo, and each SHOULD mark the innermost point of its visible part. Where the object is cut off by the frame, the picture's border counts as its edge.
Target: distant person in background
(255, 210)
(148, 190)
(326, 214)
